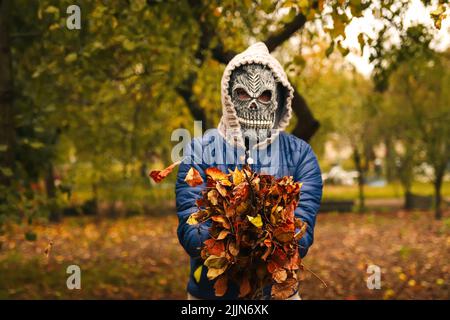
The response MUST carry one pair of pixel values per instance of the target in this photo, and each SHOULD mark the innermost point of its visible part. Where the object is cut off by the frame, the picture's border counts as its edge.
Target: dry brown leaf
(222, 190)
(221, 285)
(193, 178)
(284, 290)
(279, 275)
(213, 197)
(244, 288)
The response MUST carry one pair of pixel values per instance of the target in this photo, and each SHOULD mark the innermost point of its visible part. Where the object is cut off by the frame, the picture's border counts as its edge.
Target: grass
(393, 190)
(140, 258)
(144, 197)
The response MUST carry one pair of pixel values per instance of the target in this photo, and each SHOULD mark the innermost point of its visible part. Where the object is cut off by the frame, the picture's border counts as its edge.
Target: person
(256, 105)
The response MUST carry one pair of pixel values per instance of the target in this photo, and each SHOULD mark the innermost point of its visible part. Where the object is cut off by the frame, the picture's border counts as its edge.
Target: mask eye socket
(242, 94)
(265, 97)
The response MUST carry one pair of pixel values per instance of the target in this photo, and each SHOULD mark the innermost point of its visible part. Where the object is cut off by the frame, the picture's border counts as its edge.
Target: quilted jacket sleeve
(308, 172)
(191, 237)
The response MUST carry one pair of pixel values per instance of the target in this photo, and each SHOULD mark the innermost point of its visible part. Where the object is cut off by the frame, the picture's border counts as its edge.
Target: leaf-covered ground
(140, 258)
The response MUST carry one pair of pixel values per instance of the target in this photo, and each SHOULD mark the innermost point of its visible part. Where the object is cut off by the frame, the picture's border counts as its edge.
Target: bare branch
(277, 38)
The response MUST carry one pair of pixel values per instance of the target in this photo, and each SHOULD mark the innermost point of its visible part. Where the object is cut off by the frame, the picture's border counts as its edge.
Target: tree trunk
(359, 168)
(7, 130)
(93, 203)
(55, 212)
(306, 125)
(437, 194)
(408, 200)
(389, 161)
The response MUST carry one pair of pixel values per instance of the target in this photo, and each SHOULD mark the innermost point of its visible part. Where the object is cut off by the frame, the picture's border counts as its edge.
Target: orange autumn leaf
(221, 285)
(295, 262)
(272, 266)
(216, 174)
(193, 178)
(214, 247)
(223, 221)
(160, 175)
(284, 233)
(244, 288)
(223, 234)
(268, 243)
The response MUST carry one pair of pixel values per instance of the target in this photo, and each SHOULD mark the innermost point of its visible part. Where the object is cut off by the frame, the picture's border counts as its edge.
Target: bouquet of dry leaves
(254, 233)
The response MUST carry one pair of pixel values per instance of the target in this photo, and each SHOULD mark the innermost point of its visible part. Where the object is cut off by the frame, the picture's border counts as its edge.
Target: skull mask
(254, 94)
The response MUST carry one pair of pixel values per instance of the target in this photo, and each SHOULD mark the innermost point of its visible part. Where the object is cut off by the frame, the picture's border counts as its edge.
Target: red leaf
(272, 266)
(160, 175)
(279, 257)
(294, 262)
(214, 247)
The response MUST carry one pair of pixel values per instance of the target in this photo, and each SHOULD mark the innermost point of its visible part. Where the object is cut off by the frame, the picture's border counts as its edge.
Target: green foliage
(95, 108)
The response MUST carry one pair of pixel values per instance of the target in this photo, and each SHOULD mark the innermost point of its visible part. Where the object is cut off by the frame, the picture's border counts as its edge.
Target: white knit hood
(229, 125)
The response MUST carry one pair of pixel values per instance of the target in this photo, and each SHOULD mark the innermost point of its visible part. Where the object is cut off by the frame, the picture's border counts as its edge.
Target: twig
(315, 275)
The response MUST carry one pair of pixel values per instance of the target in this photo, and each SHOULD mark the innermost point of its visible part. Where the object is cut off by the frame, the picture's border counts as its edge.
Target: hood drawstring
(248, 159)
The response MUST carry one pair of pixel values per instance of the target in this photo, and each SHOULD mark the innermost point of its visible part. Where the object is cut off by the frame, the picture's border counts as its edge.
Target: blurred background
(86, 113)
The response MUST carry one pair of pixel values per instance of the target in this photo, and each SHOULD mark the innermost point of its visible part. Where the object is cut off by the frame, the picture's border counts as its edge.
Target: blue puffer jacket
(296, 159)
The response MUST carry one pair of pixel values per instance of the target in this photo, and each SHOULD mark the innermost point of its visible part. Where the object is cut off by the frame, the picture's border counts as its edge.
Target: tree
(421, 85)
(341, 99)
(396, 126)
(356, 127)
(107, 97)
(7, 131)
